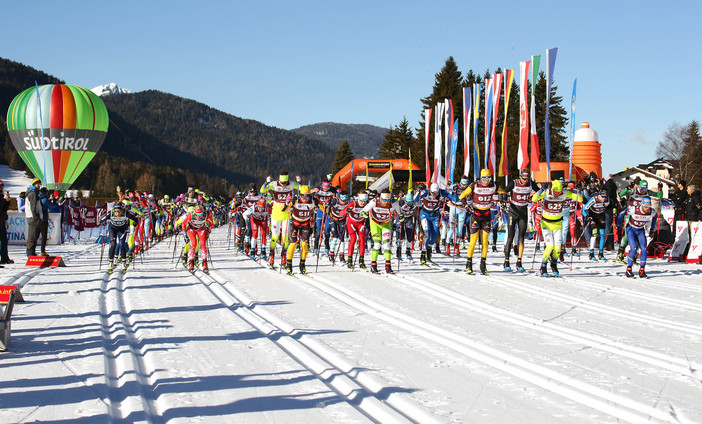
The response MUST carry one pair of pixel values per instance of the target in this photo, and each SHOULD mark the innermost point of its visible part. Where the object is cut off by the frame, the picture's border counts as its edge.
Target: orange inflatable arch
(359, 166)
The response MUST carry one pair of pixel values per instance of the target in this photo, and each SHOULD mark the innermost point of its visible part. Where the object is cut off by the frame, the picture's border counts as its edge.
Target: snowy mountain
(111, 88)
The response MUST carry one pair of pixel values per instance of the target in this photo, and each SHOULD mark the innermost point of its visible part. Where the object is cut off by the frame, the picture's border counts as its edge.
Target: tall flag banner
(467, 109)
(572, 129)
(390, 182)
(551, 64)
(523, 153)
(366, 176)
(497, 87)
(535, 167)
(504, 158)
(409, 182)
(489, 92)
(448, 128)
(427, 123)
(454, 148)
(353, 162)
(476, 143)
(438, 130)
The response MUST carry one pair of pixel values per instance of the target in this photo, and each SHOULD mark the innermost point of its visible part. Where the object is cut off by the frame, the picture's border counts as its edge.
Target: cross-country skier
(430, 203)
(482, 194)
(639, 218)
(279, 191)
(551, 220)
(302, 213)
(380, 212)
(256, 218)
(356, 228)
(197, 225)
(519, 193)
(119, 220)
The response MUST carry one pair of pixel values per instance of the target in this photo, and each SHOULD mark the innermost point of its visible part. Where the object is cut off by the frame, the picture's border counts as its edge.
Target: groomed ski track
(588, 347)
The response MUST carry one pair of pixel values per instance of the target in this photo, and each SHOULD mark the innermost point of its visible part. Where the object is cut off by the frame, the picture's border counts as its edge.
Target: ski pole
(321, 236)
(102, 249)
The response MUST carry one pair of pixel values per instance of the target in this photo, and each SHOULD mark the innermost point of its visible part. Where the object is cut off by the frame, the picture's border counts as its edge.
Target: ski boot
(429, 256)
(349, 263)
(342, 260)
(483, 266)
(538, 247)
(288, 268)
(184, 260)
(506, 265)
(408, 254)
(388, 268)
(111, 266)
(240, 247)
(252, 255)
(520, 268)
(574, 252)
(191, 266)
(543, 271)
(303, 270)
(620, 254)
(494, 248)
(629, 272)
(361, 263)
(600, 256)
(271, 259)
(642, 272)
(554, 267)
(263, 255)
(205, 268)
(469, 266)
(332, 259)
(591, 256)
(423, 258)
(374, 267)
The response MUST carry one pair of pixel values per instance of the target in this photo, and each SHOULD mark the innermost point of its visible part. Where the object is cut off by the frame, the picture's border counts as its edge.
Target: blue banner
(572, 130)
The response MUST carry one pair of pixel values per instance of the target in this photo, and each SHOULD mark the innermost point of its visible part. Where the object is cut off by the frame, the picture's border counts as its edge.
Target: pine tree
(682, 146)
(398, 141)
(448, 84)
(343, 156)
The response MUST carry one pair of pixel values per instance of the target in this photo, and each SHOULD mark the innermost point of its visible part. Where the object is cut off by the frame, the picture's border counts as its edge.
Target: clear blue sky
(288, 63)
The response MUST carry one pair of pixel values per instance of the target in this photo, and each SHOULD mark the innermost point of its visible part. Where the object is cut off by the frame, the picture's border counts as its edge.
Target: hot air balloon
(58, 143)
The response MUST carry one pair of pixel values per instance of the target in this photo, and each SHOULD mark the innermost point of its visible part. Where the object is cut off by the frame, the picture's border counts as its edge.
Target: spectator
(33, 214)
(612, 193)
(44, 226)
(4, 206)
(54, 205)
(693, 204)
(21, 201)
(679, 198)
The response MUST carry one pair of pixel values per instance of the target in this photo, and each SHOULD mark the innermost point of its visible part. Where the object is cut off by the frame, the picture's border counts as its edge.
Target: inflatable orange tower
(587, 155)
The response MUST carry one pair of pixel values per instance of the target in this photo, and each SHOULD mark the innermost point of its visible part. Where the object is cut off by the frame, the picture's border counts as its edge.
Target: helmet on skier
(409, 198)
(363, 197)
(643, 185)
(118, 207)
(386, 196)
(434, 188)
(421, 186)
(326, 185)
(603, 194)
(261, 204)
(646, 202)
(166, 197)
(343, 197)
(305, 190)
(557, 186)
(485, 176)
(198, 212)
(524, 173)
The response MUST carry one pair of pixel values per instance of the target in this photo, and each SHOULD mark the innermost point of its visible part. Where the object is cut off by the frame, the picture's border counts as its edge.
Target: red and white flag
(497, 87)
(427, 124)
(523, 153)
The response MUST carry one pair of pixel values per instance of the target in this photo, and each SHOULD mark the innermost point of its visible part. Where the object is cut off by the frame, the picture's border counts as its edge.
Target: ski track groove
(123, 371)
(618, 406)
(361, 389)
(661, 360)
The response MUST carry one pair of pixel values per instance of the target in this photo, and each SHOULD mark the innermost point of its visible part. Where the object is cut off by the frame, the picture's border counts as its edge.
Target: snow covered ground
(249, 345)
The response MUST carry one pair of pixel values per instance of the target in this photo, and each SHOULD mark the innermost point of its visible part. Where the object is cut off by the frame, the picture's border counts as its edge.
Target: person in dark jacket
(693, 204)
(611, 187)
(33, 214)
(679, 198)
(44, 226)
(4, 206)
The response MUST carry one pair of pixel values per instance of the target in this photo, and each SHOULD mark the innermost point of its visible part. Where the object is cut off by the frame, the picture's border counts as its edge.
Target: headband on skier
(385, 196)
(284, 178)
(326, 185)
(363, 197)
(646, 202)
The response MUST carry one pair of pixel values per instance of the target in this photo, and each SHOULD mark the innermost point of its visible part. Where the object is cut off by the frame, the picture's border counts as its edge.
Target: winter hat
(35, 181)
